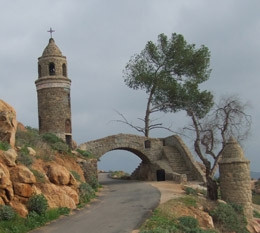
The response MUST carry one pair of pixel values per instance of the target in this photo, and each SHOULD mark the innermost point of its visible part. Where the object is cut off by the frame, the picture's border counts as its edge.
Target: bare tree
(226, 119)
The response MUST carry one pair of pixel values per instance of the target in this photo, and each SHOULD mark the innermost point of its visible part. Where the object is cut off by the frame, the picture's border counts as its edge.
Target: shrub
(24, 157)
(84, 153)
(7, 212)
(76, 175)
(51, 138)
(94, 182)
(229, 217)
(189, 222)
(86, 192)
(29, 137)
(4, 146)
(38, 204)
(40, 178)
(62, 147)
(191, 191)
(188, 201)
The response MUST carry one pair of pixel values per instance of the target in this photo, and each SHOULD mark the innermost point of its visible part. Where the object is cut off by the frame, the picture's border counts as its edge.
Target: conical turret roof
(51, 49)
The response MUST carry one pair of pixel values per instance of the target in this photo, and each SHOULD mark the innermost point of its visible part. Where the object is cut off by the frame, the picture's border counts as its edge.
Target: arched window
(51, 68)
(67, 126)
(64, 70)
(39, 71)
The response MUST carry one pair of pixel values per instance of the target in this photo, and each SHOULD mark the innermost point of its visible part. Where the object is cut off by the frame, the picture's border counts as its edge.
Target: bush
(4, 146)
(191, 191)
(51, 138)
(188, 222)
(84, 153)
(75, 175)
(94, 182)
(86, 192)
(38, 204)
(24, 157)
(30, 137)
(62, 147)
(7, 212)
(40, 177)
(229, 217)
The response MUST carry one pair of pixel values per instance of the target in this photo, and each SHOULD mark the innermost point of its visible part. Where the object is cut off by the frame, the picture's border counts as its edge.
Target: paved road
(121, 207)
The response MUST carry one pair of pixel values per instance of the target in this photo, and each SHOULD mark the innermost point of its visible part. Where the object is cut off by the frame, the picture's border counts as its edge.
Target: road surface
(121, 207)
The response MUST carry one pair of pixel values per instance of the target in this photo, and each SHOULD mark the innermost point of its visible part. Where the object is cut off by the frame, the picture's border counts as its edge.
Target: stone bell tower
(53, 91)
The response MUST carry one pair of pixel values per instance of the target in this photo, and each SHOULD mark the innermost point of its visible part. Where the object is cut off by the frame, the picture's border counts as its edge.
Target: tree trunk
(212, 189)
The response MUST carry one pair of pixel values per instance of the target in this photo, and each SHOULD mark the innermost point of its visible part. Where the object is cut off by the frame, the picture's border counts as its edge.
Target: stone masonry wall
(235, 180)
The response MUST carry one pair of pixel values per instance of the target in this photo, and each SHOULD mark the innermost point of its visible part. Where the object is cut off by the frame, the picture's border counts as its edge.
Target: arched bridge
(169, 155)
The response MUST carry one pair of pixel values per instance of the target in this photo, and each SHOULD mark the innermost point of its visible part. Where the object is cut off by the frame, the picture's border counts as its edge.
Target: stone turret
(53, 91)
(235, 185)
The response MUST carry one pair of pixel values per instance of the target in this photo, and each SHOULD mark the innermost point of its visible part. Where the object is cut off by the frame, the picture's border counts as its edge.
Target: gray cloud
(99, 37)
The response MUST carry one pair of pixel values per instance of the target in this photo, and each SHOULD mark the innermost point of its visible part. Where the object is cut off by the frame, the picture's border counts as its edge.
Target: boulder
(32, 152)
(6, 186)
(22, 189)
(9, 157)
(58, 174)
(19, 207)
(22, 174)
(8, 123)
(58, 196)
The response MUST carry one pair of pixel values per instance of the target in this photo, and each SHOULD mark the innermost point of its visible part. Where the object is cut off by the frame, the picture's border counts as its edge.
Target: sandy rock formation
(9, 157)
(8, 123)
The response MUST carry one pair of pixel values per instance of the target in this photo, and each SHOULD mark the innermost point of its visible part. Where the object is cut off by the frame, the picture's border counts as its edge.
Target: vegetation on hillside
(47, 146)
(170, 218)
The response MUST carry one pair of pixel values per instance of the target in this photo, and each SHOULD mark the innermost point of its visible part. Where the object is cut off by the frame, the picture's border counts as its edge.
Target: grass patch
(33, 221)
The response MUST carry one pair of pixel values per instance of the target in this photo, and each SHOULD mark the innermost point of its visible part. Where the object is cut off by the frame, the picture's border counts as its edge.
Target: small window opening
(69, 100)
(39, 71)
(147, 144)
(64, 70)
(51, 68)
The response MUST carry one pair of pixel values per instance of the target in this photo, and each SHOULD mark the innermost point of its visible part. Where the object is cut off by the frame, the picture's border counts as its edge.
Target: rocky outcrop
(8, 123)
(18, 182)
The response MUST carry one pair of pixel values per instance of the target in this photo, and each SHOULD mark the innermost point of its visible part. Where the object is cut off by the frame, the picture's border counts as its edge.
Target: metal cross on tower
(51, 31)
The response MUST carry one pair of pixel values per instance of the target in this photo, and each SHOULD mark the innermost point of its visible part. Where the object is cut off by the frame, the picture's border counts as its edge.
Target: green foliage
(38, 204)
(256, 199)
(170, 72)
(29, 137)
(62, 147)
(93, 182)
(24, 157)
(191, 191)
(229, 217)
(188, 201)
(75, 175)
(33, 220)
(86, 192)
(256, 214)
(158, 222)
(40, 177)
(7, 212)
(85, 153)
(51, 138)
(4, 146)
(55, 142)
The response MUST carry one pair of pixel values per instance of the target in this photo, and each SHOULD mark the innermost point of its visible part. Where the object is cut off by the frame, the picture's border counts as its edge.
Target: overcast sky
(98, 37)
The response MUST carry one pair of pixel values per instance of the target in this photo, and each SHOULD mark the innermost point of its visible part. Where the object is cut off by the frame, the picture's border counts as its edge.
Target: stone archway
(169, 154)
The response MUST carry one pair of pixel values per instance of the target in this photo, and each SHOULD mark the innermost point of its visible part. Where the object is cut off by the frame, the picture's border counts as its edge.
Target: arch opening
(119, 160)
(51, 68)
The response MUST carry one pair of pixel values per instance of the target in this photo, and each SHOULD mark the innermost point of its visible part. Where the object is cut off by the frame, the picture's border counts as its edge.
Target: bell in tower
(53, 92)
